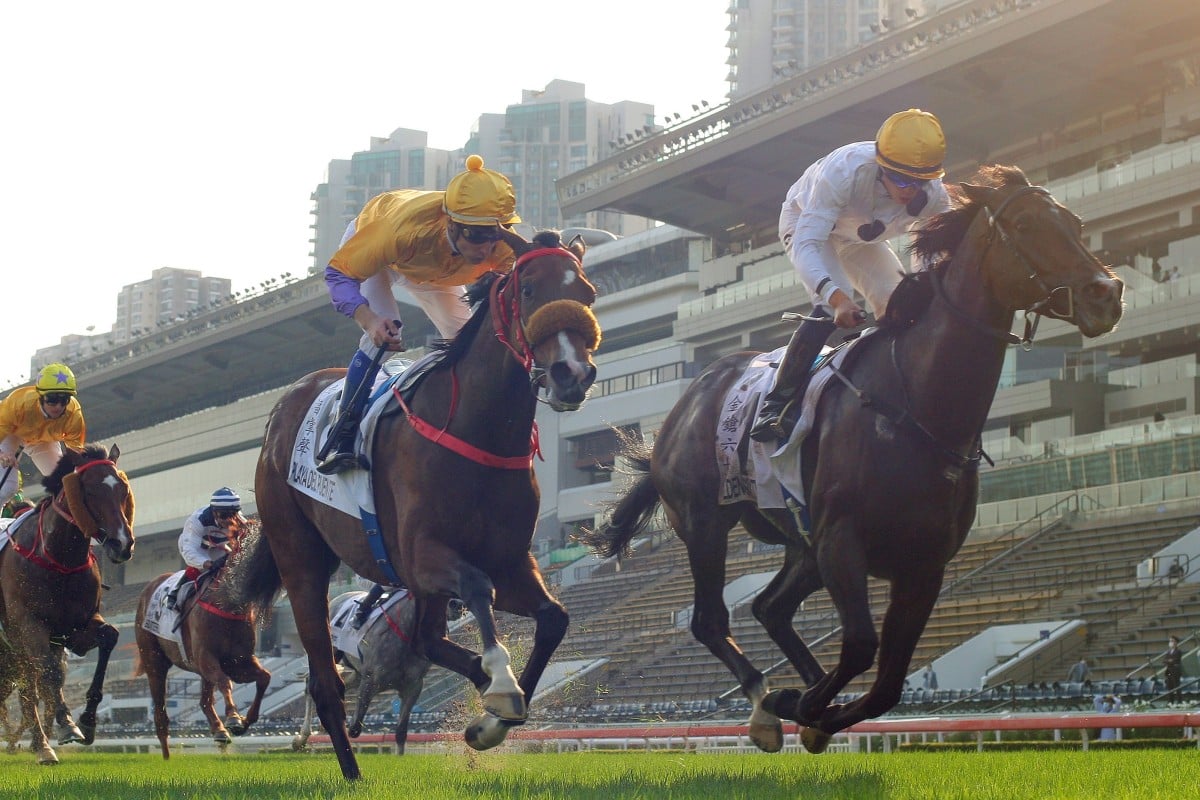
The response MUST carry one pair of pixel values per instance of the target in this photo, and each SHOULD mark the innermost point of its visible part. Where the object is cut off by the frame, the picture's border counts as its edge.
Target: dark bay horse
(387, 661)
(218, 636)
(454, 489)
(50, 582)
(891, 466)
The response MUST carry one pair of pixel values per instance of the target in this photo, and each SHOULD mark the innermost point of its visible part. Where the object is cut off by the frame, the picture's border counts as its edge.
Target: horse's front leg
(843, 563)
(522, 592)
(208, 706)
(911, 601)
(51, 690)
(300, 741)
(97, 633)
(367, 687)
(248, 671)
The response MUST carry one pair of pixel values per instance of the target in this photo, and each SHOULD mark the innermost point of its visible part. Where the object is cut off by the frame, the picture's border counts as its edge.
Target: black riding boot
(338, 453)
(794, 369)
(365, 605)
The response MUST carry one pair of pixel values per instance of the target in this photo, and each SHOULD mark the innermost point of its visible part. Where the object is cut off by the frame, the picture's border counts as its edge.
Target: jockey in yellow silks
(41, 419)
(431, 243)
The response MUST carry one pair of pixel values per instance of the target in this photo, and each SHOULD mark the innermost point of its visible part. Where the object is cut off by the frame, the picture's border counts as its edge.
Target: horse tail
(631, 514)
(251, 577)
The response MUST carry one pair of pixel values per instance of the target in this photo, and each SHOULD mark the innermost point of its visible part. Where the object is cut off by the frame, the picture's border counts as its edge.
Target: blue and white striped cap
(225, 499)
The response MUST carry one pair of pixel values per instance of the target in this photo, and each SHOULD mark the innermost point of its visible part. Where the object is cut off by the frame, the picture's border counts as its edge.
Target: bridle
(81, 519)
(996, 232)
(505, 299)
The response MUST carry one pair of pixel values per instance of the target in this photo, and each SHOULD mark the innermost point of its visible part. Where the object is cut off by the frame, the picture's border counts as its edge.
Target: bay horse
(219, 636)
(454, 489)
(50, 581)
(387, 661)
(890, 468)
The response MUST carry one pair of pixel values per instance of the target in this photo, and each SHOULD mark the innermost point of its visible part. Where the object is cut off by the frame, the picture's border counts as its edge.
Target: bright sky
(142, 134)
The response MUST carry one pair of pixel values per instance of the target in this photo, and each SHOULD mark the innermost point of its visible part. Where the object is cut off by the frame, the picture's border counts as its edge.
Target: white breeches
(45, 456)
(871, 268)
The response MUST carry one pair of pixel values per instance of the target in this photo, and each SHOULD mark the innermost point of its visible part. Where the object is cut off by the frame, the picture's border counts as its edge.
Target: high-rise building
(166, 297)
(553, 132)
(402, 160)
(770, 39)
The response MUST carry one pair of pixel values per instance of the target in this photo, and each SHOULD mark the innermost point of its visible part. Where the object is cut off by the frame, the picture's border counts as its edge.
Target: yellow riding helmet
(479, 196)
(911, 142)
(56, 378)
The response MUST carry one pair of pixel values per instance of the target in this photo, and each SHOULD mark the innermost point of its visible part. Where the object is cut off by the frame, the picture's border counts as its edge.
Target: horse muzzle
(567, 384)
(118, 549)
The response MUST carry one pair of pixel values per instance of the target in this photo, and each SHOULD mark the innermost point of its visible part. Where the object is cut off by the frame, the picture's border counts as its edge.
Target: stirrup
(769, 425)
(343, 461)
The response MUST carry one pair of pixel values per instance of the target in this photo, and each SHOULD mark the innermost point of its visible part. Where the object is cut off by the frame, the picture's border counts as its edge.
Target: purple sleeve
(343, 291)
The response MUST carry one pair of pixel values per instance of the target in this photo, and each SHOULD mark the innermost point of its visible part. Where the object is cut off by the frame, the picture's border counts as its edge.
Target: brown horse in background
(454, 490)
(50, 582)
(219, 636)
(891, 466)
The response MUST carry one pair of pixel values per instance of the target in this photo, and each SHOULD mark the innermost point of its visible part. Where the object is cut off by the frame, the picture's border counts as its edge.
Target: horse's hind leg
(705, 532)
(156, 664)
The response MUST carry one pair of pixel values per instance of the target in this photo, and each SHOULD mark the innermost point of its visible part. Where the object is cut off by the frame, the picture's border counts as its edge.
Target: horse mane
(478, 296)
(935, 242)
(53, 482)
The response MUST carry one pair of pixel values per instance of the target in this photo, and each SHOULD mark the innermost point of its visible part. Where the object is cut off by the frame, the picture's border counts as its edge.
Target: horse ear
(977, 194)
(577, 246)
(114, 453)
(519, 244)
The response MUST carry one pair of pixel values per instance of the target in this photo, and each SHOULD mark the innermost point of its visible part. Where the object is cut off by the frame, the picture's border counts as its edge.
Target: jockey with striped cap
(431, 243)
(39, 420)
(835, 224)
(208, 537)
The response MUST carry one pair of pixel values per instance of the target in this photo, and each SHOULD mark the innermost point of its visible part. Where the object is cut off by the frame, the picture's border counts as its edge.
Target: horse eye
(526, 292)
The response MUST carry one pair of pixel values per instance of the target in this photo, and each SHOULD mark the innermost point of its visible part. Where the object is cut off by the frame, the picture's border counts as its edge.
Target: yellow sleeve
(368, 251)
(75, 433)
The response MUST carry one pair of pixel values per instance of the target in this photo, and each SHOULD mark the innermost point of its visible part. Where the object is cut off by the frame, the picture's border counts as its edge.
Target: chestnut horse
(891, 465)
(454, 490)
(218, 636)
(50, 582)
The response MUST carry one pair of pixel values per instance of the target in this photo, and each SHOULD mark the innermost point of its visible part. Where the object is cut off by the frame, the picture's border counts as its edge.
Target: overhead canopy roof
(1002, 75)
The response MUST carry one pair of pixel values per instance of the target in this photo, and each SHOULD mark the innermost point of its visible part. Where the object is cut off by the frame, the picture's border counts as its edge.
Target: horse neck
(62, 540)
(954, 366)
(495, 402)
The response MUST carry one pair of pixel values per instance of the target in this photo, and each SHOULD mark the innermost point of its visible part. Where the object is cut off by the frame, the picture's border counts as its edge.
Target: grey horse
(386, 660)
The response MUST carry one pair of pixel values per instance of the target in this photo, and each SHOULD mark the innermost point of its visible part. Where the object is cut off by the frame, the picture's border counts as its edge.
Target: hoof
(48, 758)
(222, 737)
(299, 745)
(487, 731)
(69, 734)
(814, 740)
(766, 736)
(236, 725)
(510, 706)
(355, 730)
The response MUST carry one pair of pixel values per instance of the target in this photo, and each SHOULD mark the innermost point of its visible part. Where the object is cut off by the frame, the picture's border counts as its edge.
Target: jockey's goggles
(56, 398)
(480, 234)
(902, 181)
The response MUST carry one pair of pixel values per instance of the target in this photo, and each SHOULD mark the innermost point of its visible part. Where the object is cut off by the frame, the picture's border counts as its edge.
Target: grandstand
(1084, 521)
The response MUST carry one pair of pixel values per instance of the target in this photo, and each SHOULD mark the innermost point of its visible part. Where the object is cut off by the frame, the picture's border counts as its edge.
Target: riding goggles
(480, 234)
(56, 398)
(902, 181)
